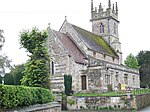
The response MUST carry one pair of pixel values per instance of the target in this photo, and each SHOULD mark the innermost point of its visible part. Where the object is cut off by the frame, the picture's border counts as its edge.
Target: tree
(131, 62)
(8, 79)
(4, 64)
(14, 76)
(2, 39)
(4, 61)
(143, 58)
(1, 79)
(68, 84)
(17, 72)
(37, 68)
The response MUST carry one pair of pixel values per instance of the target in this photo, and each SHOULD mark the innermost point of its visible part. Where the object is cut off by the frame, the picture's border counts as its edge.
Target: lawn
(100, 94)
(115, 94)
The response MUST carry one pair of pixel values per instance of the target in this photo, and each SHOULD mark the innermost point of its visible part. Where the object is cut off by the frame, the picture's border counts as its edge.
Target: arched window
(52, 68)
(101, 28)
(115, 28)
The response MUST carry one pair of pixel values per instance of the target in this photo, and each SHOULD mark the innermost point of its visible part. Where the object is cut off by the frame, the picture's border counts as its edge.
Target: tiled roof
(94, 42)
(71, 47)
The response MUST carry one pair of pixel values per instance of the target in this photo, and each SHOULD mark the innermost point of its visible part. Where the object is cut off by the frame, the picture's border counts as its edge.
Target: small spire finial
(49, 25)
(109, 3)
(100, 7)
(113, 8)
(116, 8)
(66, 18)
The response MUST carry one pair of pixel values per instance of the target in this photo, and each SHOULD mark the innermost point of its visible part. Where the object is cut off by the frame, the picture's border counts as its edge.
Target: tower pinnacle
(116, 8)
(100, 7)
(99, 12)
(113, 9)
(109, 4)
(105, 24)
(91, 5)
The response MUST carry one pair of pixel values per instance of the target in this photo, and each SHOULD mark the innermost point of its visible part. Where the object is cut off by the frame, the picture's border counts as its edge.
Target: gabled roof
(71, 47)
(94, 42)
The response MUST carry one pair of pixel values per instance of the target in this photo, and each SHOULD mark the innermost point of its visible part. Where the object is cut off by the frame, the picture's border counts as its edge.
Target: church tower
(105, 23)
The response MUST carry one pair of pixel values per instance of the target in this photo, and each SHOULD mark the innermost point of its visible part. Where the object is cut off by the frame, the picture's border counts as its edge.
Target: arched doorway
(83, 82)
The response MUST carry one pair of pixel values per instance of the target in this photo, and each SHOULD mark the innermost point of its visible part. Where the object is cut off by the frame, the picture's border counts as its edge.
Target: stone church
(94, 59)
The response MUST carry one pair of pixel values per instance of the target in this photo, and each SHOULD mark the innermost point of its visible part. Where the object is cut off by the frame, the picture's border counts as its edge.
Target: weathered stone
(93, 65)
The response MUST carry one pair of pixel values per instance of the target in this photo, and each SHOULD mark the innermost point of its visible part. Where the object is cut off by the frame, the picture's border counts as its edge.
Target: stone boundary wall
(49, 107)
(89, 102)
(142, 101)
(135, 102)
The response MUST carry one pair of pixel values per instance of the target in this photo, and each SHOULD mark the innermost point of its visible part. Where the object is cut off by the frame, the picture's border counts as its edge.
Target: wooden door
(83, 82)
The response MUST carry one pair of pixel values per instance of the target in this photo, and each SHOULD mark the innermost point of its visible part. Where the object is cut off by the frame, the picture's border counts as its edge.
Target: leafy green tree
(37, 68)
(131, 62)
(8, 79)
(14, 76)
(0, 80)
(143, 58)
(17, 72)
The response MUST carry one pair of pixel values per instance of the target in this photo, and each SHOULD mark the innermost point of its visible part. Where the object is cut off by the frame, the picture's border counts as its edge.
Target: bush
(109, 87)
(71, 101)
(13, 96)
(8, 79)
(68, 84)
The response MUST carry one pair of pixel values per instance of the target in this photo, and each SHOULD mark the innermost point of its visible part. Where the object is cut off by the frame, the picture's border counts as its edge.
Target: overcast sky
(15, 15)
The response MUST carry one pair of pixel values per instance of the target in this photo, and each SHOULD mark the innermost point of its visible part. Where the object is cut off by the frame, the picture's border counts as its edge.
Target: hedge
(13, 96)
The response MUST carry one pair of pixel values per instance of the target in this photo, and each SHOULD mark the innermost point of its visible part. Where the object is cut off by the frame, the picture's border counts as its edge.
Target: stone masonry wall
(63, 64)
(142, 101)
(94, 102)
(87, 102)
(101, 73)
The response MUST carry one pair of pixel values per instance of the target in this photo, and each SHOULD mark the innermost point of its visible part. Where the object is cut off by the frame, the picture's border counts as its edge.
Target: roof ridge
(85, 30)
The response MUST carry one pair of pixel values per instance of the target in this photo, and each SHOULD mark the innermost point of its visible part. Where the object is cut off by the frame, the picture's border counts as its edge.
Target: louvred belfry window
(101, 28)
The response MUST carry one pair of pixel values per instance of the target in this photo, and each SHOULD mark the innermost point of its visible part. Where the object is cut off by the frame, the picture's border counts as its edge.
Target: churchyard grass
(115, 94)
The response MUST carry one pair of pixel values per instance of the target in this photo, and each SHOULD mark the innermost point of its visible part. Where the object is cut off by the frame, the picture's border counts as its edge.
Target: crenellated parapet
(100, 12)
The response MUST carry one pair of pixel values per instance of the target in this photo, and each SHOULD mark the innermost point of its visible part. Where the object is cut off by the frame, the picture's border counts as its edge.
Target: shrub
(71, 102)
(68, 84)
(64, 96)
(13, 96)
(109, 87)
(111, 108)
